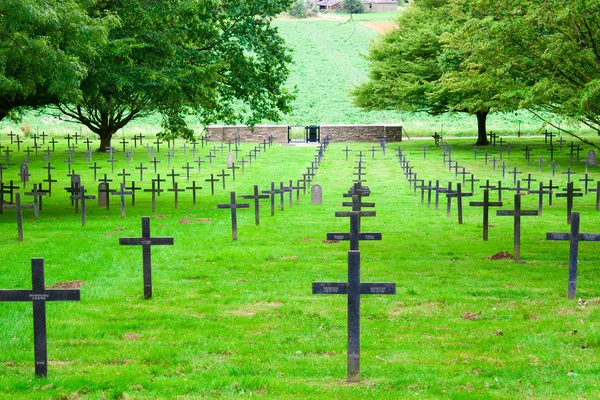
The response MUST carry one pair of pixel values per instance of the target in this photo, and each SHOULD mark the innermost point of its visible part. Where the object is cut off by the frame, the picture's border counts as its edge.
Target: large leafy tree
(221, 60)
(542, 55)
(44, 49)
(408, 66)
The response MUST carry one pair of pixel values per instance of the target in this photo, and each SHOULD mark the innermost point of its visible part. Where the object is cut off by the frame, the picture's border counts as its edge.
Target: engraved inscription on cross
(146, 242)
(38, 295)
(354, 288)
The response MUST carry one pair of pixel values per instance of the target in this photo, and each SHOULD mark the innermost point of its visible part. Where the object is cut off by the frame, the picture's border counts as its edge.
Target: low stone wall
(337, 133)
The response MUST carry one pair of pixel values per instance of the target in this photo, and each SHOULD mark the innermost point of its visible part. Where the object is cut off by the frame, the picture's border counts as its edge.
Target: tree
(298, 9)
(44, 49)
(409, 64)
(219, 60)
(353, 6)
(543, 56)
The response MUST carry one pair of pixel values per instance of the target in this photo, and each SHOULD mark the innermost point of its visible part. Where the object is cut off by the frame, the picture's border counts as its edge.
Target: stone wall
(337, 133)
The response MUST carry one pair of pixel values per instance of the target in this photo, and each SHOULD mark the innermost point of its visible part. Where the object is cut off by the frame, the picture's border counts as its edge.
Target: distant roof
(328, 2)
(380, 1)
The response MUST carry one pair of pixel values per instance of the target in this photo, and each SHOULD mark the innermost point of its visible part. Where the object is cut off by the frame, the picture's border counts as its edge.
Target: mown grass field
(237, 319)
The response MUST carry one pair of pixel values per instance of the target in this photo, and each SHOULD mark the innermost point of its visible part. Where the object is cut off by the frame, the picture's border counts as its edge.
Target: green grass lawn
(237, 319)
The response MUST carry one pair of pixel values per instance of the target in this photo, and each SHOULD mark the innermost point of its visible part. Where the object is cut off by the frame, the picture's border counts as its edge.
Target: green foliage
(298, 9)
(353, 6)
(182, 57)
(45, 48)
(543, 55)
(408, 66)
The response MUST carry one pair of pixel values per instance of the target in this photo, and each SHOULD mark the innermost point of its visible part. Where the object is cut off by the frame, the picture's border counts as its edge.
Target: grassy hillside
(328, 63)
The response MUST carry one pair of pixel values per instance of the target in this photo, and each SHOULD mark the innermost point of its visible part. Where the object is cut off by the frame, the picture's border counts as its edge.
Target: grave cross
(39, 295)
(223, 175)
(568, 173)
(141, 168)
(124, 174)
(187, 171)
(486, 204)
(233, 206)
(82, 197)
(256, 197)
(18, 207)
(586, 180)
(459, 194)
(570, 194)
(354, 288)
(212, 181)
(517, 213)
(37, 201)
(95, 168)
(597, 190)
(194, 188)
(155, 190)
(146, 242)
(541, 192)
(272, 194)
(574, 237)
(347, 151)
(355, 235)
(122, 194)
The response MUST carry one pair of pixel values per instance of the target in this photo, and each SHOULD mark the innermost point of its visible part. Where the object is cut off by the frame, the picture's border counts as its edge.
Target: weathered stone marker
(233, 206)
(146, 242)
(574, 237)
(38, 295)
(316, 194)
(517, 213)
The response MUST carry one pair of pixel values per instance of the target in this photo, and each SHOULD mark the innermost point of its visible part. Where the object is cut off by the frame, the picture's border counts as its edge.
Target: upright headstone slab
(103, 194)
(316, 194)
(229, 160)
(574, 237)
(24, 174)
(38, 295)
(591, 158)
(146, 242)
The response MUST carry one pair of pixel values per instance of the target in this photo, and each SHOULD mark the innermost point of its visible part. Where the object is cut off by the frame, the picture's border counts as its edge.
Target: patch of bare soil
(306, 240)
(501, 255)
(204, 220)
(185, 221)
(160, 216)
(330, 241)
(67, 285)
(470, 316)
(131, 336)
(381, 27)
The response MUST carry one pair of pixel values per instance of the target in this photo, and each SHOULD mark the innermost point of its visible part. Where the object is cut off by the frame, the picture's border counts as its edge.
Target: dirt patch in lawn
(501, 255)
(381, 27)
(67, 285)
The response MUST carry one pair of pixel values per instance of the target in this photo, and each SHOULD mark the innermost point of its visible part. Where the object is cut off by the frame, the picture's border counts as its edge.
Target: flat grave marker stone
(316, 194)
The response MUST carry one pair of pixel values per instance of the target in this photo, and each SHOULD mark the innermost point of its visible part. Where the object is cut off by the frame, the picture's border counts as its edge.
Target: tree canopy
(543, 55)
(220, 60)
(408, 66)
(44, 50)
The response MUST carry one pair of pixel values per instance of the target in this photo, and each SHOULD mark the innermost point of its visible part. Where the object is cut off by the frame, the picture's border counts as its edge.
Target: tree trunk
(105, 137)
(482, 138)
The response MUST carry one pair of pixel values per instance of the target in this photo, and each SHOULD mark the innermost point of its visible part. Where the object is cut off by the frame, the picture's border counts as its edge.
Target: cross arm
(347, 236)
(145, 242)
(558, 236)
(47, 295)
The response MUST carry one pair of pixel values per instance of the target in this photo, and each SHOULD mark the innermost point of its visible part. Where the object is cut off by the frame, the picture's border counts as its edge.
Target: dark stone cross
(212, 181)
(133, 189)
(187, 168)
(141, 168)
(146, 242)
(122, 194)
(154, 161)
(124, 174)
(256, 197)
(517, 213)
(175, 189)
(354, 236)
(272, 194)
(570, 194)
(541, 192)
(586, 181)
(574, 237)
(194, 188)
(223, 175)
(155, 191)
(233, 206)
(18, 207)
(95, 168)
(486, 204)
(37, 199)
(347, 151)
(568, 173)
(459, 194)
(354, 288)
(82, 197)
(597, 190)
(39, 295)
